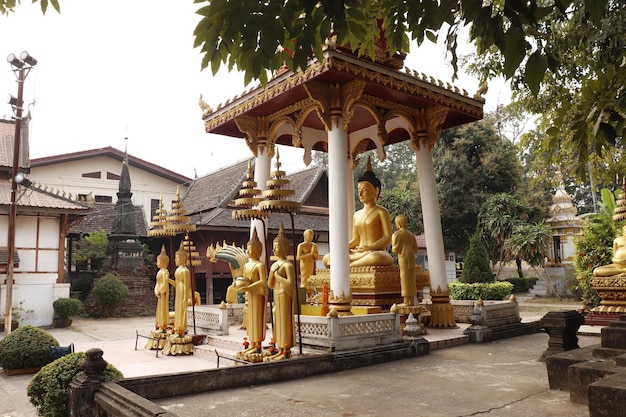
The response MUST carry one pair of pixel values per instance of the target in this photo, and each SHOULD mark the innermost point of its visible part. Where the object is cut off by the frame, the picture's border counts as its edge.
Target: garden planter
(60, 323)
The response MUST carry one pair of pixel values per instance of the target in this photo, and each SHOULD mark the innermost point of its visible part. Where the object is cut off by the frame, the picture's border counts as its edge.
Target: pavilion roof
(286, 94)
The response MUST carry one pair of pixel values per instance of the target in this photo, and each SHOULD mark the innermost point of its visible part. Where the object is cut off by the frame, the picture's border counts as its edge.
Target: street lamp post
(21, 67)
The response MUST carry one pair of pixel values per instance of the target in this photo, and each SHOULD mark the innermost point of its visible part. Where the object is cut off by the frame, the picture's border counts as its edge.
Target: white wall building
(95, 174)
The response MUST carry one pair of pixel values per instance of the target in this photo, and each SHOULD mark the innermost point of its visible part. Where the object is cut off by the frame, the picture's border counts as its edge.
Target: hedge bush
(522, 284)
(108, 292)
(485, 291)
(476, 267)
(64, 308)
(49, 389)
(26, 347)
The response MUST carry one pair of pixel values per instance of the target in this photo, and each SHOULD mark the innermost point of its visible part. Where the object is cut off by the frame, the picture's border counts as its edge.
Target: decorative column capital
(427, 128)
(335, 103)
(256, 130)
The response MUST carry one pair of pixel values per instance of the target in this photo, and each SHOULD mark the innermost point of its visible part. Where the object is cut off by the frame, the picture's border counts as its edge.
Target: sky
(116, 69)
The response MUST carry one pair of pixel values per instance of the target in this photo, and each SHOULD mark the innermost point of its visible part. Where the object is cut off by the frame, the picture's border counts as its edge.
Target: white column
(338, 220)
(261, 175)
(432, 218)
(350, 196)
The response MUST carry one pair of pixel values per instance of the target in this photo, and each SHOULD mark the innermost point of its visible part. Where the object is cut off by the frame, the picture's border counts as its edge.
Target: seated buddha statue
(619, 258)
(371, 226)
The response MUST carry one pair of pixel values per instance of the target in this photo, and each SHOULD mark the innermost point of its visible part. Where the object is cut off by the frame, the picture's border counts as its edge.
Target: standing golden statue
(183, 297)
(307, 254)
(404, 244)
(282, 279)
(162, 291)
(371, 226)
(254, 284)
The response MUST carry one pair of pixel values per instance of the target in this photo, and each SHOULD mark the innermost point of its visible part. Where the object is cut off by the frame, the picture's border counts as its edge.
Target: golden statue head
(162, 259)
(182, 255)
(255, 243)
(281, 240)
(369, 176)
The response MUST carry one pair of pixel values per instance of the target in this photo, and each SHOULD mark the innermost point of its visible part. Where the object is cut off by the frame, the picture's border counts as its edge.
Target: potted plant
(17, 314)
(64, 309)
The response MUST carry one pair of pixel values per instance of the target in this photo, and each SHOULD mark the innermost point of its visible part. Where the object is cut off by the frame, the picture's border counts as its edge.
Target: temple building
(565, 225)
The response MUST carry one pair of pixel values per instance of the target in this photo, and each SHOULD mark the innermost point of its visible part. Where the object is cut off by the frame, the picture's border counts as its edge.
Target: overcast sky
(127, 68)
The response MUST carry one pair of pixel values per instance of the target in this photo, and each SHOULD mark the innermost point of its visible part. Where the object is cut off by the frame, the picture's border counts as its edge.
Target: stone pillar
(562, 327)
(442, 313)
(82, 389)
(338, 220)
(350, 197)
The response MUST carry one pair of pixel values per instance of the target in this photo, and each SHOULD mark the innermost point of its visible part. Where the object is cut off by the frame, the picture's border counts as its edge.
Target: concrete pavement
(493, 379)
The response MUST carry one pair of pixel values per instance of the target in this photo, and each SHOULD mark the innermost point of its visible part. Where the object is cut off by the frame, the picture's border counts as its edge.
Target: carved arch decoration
(427, 127)
(256, 134)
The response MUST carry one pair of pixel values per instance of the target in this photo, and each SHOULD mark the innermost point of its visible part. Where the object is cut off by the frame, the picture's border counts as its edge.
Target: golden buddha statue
(183, 297)
(404, 244)
(619, 258)
(282, 279)
(307, 254)
(254, 284)
(162, 291)
(371, 226)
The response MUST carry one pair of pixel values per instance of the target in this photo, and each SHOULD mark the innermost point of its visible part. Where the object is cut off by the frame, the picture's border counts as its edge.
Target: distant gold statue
(307, 255)
(162, 291)
(254, 284)
(404, 244)
(619, 258)
(371, 226)
(183, 297)
(282, 278)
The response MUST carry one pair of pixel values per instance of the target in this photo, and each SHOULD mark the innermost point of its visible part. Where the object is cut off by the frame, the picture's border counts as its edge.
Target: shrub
(64, 308)
(593, 249)
(26, 347)
(109, 291)
(82, 284)
(483, 290)
(522, 284)
(476, 266)
(48, 390)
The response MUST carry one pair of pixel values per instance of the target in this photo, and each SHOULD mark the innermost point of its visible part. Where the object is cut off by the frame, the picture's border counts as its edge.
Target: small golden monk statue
(282, 279)
(404, 244)
(254, 284)
(619, 258)
(307, 254)
(371, 226)
(162, 291)
(183, 297)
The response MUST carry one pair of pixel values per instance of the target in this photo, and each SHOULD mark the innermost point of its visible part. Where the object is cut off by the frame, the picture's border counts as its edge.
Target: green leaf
(432, 36)
(553, 131)
(514, 50)
(608, 132)
(535, 71)
(595, 9)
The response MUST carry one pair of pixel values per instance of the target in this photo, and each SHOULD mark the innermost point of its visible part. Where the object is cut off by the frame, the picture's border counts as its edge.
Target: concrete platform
(418, 379)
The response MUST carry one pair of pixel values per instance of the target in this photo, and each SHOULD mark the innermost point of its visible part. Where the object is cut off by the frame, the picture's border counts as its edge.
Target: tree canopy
(471, 163)
(575, 46)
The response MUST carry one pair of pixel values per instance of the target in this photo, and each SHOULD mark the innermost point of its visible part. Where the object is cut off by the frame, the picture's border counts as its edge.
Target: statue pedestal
(612, 290)
(156, 340)
(372, 285)
(178, 345)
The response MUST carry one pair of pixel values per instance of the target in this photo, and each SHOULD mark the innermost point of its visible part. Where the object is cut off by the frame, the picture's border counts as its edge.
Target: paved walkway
(501, 376)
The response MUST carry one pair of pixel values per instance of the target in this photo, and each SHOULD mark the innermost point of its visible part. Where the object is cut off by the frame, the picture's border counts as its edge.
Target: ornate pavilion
(345, 105)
